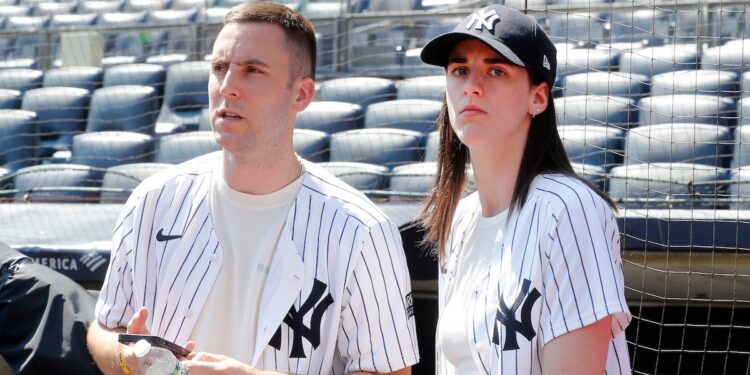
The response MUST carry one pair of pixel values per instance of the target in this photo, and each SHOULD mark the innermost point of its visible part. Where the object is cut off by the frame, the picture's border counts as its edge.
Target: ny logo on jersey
(507, 317)
(481, 19)
(295, 320)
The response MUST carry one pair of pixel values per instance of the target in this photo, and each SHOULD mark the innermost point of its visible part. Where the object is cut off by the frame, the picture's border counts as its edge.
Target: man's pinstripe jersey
(557, 268)
(335, 242)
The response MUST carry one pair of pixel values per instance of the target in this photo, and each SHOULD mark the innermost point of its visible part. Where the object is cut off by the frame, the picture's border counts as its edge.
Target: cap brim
(436, 51)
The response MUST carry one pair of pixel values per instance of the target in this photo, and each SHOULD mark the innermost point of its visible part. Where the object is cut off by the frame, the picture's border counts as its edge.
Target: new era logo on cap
(545, 63)
(480, 19)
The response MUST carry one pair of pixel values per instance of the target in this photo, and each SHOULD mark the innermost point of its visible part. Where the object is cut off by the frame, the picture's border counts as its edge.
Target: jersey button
(188, 313)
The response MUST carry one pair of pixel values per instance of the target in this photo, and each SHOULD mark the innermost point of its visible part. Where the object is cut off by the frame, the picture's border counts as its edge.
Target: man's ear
(305, 93)
(539, 98)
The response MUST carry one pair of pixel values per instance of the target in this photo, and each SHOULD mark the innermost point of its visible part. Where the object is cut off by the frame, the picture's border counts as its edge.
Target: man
(251, 257)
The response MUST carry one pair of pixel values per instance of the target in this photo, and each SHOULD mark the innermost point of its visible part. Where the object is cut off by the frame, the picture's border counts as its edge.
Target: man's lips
(228, 114)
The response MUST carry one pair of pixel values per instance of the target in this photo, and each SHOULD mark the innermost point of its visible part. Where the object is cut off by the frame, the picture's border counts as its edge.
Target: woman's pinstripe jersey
(557, 269)
(337, 298)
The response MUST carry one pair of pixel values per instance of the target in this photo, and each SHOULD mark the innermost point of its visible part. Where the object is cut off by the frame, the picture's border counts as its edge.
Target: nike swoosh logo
(161, 237)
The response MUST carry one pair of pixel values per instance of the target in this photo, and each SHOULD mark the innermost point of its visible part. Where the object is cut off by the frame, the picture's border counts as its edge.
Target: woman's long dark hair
(543, 153)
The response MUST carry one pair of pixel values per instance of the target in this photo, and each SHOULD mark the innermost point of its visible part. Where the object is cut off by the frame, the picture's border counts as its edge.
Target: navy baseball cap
(511, 33)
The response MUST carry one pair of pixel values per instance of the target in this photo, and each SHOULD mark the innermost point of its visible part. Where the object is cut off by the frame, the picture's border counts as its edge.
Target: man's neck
(260, 175)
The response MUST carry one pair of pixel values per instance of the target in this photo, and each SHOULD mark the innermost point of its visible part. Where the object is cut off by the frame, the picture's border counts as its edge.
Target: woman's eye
(496, 72)
(460, 71)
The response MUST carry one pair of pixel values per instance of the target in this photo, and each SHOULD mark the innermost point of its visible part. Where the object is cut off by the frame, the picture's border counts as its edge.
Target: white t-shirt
(248, 227)
(558, 268)
(480, 250)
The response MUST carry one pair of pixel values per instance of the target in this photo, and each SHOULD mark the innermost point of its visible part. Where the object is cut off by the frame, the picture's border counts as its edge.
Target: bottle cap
(141, 348)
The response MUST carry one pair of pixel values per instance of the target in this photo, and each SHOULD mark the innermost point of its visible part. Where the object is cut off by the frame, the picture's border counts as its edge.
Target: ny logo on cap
(480, 19)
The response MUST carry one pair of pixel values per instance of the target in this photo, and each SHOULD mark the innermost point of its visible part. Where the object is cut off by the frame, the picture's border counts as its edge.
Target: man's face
(252, 98)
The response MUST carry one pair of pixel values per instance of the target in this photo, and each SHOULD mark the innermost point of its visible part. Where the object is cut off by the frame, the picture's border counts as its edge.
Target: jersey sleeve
(377, 332)
(583, 280)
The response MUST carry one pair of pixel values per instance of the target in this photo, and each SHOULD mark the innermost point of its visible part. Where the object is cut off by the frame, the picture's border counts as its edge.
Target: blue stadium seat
(582, 60)
(741, 147)
(654, 60)
(180, 147)
(25, 45)
(15, 10)
(619, 84)
(127, 108)
(57, 183)
(185, 94)
(647, 26)
(146, 5)
(312, 145)
(358, 90)
(120, 180)
(593, 144)
(122, 43)
(412, 181)
(85, 77)
(191, 4)
(739, 187)
(431, 144)
(330, 117)
(21, 79)
(152, 75)
(174, 39)
(410, 114)
(663, 185)
(365, 177)
(6, 180)
(61, 113)
(53, 8)
(100, 6)
(596, 110)
(167, 60)
(109, 148)
(388, 147)
(701, 81)
(22, 63)
(10, 99)
(576, 28)
(18, 139)
(426, 87)
(679, 143)
(743, 111)
(701, 109)
(745, 84)
(732, 56)
(593, 173)
(112, 61)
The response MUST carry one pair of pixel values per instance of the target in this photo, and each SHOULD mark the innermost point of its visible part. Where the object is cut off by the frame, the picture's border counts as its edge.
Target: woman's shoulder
(565, 192)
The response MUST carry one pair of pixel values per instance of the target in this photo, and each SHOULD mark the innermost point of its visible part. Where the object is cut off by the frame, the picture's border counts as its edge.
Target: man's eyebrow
(256, 62)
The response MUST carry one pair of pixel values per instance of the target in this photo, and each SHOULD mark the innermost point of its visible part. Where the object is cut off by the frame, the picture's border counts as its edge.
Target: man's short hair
(299, 31)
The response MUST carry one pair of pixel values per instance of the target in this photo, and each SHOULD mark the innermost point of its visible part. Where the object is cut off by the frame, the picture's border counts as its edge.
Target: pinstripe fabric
(564, 244)
(333, 234)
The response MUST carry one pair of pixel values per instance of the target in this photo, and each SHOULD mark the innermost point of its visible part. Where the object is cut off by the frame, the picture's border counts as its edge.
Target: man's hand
(207, 363)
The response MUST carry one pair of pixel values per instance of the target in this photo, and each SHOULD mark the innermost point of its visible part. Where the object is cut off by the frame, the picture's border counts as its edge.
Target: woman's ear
(539, 99)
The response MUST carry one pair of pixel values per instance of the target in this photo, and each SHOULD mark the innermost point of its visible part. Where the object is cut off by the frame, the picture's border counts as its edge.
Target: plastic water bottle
(156, 361)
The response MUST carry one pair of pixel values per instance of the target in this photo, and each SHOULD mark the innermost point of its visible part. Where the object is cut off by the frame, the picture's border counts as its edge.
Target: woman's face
(490, 99)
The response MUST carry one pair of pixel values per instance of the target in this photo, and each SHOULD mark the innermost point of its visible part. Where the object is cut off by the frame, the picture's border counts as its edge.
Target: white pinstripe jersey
(558, 269)
(335, 243)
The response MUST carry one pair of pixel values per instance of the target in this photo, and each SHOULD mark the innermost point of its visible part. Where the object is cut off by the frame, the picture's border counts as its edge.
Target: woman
(531, 276)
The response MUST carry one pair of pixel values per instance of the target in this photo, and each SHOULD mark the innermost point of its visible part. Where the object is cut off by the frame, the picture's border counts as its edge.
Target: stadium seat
(655, 60)
(741, 151)
(122, 43)
(57, 183)
(593, 144)
(18, 63)
(432, 142)
(6, 181)
(646, 26)
(100, 6)
(368, 178)
(312, 145)
(745, 84)
(10, 99)
(595, 174)
(679, 143)
(323, 9)
(732, 56)
(618, 84)
(427, 87)
(20, 79)
(152, 75)
(112, 61)
(72, 20)
(700, 109)
(126, 108)
(85, 77)
(18, 139)
(25, 45)
(415, 68)
(663, 185)
(146, 5)
(330, 117)
(357, 90)
(180, 147)
(701, 81)
(743, 111)
(576, 28)
(739, 187)
(109, 148)
(173, 40)
(410, 114)
(582, 60)
(185, 94)
(120, 180)
(15, 10)
(191, 4)
(596, 110)
(53, 8)
(61, 113)
(388, 147)
(167, 60)
(412, 181)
